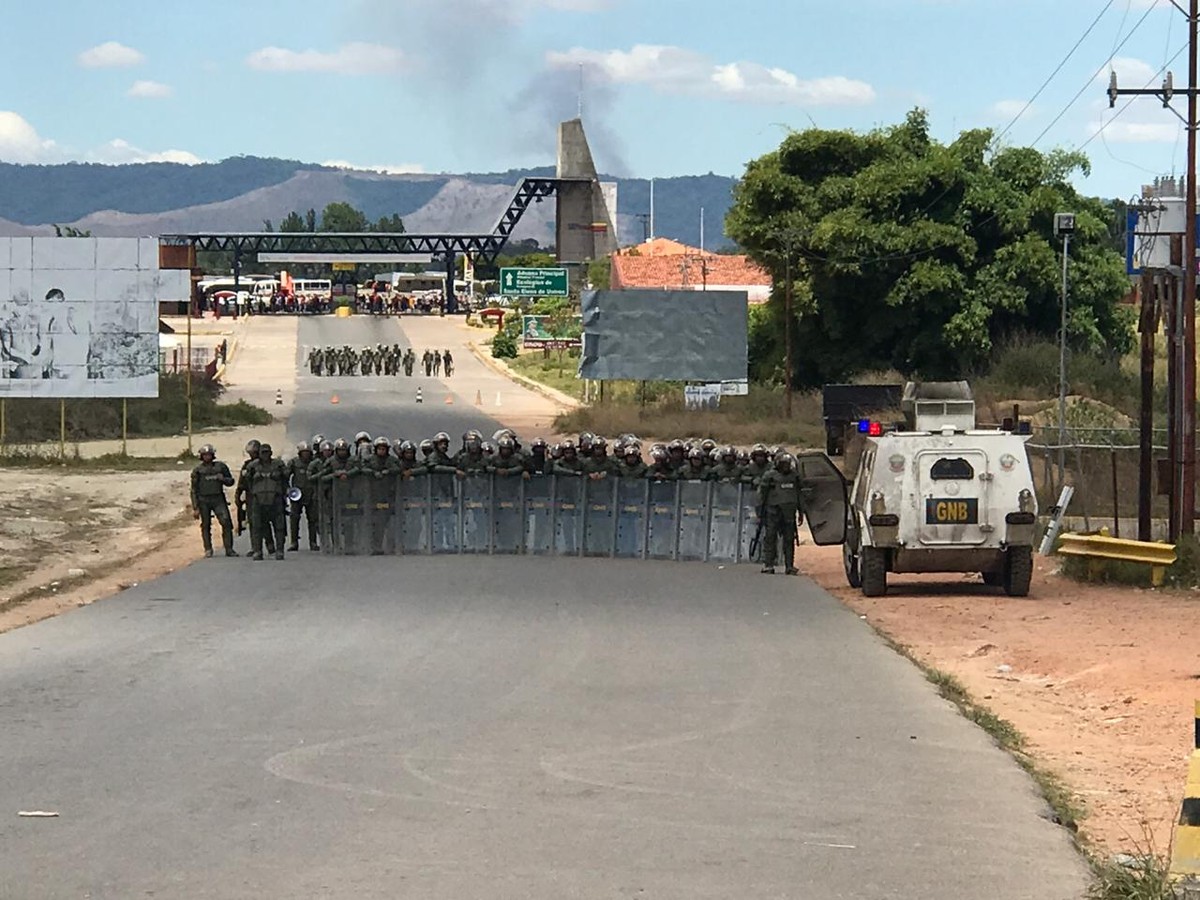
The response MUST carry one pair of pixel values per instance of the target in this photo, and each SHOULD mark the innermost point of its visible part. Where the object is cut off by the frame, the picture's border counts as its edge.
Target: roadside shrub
(504, 346)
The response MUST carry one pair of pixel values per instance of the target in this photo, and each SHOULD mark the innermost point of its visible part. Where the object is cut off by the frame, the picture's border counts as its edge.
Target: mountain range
(239, 193)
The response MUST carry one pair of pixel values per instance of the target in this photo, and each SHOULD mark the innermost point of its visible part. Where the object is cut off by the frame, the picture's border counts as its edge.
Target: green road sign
(533, 282)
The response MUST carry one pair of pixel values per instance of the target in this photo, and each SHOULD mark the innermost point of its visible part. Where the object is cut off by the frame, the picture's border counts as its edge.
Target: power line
(1096, 21)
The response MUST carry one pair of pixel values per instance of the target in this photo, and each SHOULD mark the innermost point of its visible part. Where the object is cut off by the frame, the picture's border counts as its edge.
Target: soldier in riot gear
(447, 363)
(677, 454)
(362, 446)
(759, 466)
(660, 465)
(427, 362)
(537, 462)
(631, 461)
(695, 469)
(407, 458)
(437, 364)
(268, 485)
(507, 461)
(427, 450)
(584, 447)
(209, 480)
(410, 360)
(570, 464)
(780, 502)
(322, 503)
(381, 468)
(440, 461)
(298, 478)
(241, 497)
(726, 468)
(471, 459)
(599, 465)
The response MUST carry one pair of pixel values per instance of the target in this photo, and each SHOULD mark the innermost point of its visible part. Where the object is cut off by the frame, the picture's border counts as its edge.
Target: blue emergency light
(864, 425)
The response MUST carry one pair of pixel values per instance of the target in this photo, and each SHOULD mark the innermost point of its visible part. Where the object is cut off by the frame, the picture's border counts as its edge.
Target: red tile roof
(669, 265)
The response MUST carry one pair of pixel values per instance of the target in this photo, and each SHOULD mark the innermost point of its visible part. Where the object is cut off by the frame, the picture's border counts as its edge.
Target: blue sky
(669, 87)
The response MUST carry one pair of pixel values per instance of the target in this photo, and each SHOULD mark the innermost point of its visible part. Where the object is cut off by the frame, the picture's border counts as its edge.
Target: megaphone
(294, 494)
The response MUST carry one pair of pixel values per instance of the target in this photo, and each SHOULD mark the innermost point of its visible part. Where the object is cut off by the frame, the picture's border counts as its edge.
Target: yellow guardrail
(343, 312)
(1100, 546)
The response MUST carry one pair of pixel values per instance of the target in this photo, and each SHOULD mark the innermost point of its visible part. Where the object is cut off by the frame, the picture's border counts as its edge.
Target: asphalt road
(494, 728)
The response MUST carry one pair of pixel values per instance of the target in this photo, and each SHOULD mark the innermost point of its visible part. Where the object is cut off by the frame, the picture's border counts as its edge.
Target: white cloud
(20, 142)
(677, 70)
(1122, 131)
(110, 55)
(1007, 109)
(348, 59)
(153, 90)
(119, 151)
(1131, 73)
(394, 169)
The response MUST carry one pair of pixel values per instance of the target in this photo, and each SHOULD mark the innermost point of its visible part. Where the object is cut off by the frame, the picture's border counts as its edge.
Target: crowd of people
(378, 360)
(265, 483)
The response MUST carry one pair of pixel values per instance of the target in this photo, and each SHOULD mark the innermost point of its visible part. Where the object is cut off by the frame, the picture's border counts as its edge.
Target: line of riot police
(381, 359)
(272, 496)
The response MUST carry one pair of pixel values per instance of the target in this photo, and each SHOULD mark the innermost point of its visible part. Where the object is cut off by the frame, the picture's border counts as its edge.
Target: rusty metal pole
(1187, 436)
(1147, 326)
(1173, 327)
(787, 334)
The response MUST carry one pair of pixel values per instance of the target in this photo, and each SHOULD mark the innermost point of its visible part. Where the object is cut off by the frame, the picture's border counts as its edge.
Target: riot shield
(724, 503)
(693, 520)
(632, 494)
(349, 528)
(508, 521)
(325, 508)
(444, 500)
(476, 491)
(599, 517)
(381, 512)
(414, 515)
(539, 515)
(661, 516)
(747, 523)
(568, 515)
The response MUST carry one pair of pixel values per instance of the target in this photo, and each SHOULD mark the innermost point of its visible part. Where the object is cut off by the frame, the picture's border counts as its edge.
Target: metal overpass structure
(443, 246)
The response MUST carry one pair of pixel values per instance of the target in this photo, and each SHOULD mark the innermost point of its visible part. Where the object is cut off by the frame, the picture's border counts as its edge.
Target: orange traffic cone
(478, 399)
(449, 399)
(335, 399)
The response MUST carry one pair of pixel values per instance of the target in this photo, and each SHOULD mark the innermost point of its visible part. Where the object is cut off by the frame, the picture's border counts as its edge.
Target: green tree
(910, 254)
(293, 223)
(341, 216)
(392, 224)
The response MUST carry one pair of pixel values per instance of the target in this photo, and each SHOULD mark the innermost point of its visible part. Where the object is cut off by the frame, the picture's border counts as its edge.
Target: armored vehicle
(941, 496)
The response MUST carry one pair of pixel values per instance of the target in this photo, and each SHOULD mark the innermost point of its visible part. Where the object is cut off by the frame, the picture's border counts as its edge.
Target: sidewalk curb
(501, 368)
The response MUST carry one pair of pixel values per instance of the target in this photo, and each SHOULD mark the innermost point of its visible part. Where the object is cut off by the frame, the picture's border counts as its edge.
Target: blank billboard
(649, 335)
(79, 316)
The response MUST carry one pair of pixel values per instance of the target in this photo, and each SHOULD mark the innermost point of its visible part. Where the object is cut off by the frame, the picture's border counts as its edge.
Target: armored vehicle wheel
(873, 571)
(993, 579)
(1018, 571)
(850, 559)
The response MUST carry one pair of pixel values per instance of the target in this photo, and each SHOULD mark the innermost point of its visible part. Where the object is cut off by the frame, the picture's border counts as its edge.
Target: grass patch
(1144, 876)
(13, 573)
(35, 420)
(25, 458)
(549, 371)
(740, 420)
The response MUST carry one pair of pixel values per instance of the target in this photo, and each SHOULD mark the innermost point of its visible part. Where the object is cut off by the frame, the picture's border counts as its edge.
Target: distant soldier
(427, 361)
(437, 364)
(322, 503)
(410, 360)
(471, 459)
(268, 485)
(298, 478)
(677, 454)
(780, 506)
(410, 466)
(447, 363)
(209, 480)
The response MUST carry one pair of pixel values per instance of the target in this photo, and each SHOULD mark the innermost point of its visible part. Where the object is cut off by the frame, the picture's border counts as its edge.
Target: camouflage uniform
(780, 501)
(209, 480)
(268, 485)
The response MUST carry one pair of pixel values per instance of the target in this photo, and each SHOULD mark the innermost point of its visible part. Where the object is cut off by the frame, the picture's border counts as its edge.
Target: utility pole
(1064, 227)
(1183, 475)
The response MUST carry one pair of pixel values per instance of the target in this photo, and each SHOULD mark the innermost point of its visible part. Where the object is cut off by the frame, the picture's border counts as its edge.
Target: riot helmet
(427, 447)
(252, 447)
(208, 450)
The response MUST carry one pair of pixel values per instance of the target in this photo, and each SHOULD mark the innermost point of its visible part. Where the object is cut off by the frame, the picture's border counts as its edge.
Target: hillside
(237, 194)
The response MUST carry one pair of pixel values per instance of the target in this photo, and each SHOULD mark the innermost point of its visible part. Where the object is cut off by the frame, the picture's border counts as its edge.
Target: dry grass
(757, 417)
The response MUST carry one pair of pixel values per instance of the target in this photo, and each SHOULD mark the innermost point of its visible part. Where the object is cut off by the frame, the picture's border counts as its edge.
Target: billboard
(652, 335)
(79, 316)
(537, 332)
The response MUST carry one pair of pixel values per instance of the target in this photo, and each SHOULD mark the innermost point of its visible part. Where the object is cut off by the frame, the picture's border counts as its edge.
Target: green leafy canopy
(918, 256)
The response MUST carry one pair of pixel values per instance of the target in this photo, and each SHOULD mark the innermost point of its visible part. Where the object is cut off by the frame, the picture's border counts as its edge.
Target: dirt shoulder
(1101, 680)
